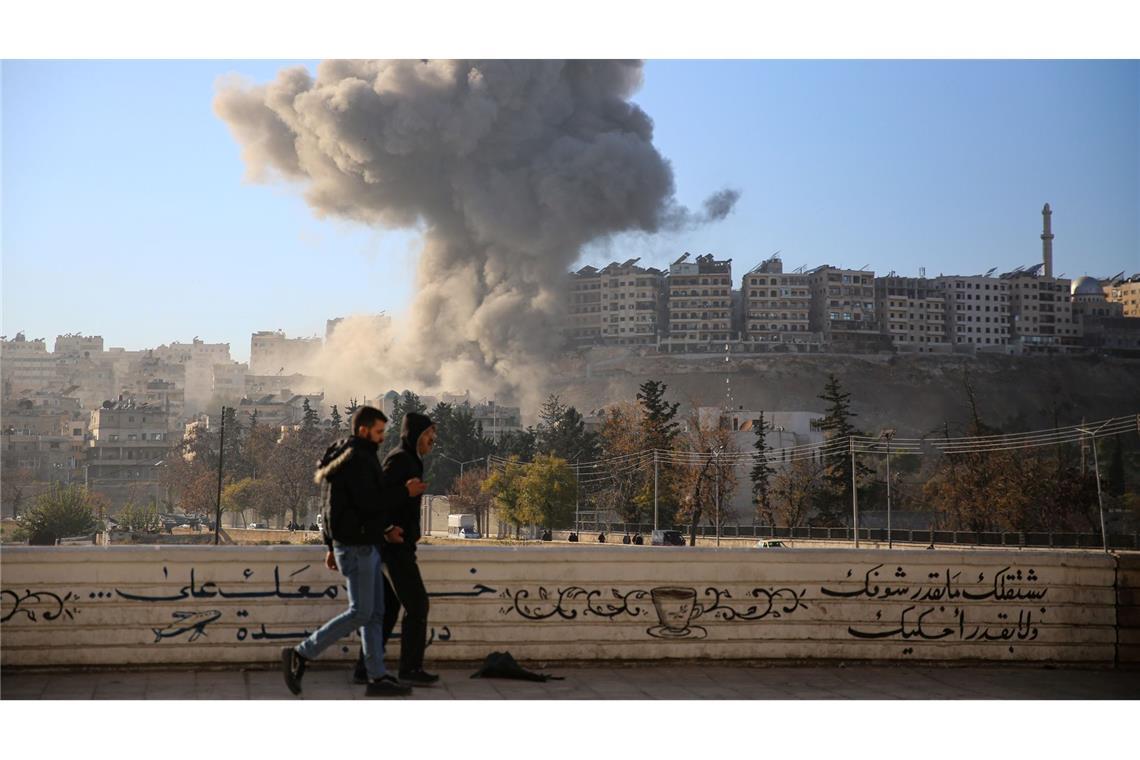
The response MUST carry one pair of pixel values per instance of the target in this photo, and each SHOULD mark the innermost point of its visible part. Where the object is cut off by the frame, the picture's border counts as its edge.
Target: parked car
(468, 533)
(257, 526)
(770, 544)
(667, 538)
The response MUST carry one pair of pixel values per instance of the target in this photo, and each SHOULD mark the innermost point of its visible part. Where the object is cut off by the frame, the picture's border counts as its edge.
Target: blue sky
(125, 213)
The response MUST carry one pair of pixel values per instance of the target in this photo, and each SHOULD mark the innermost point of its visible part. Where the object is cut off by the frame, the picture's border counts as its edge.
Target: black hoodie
(401, 465)
(359, 505)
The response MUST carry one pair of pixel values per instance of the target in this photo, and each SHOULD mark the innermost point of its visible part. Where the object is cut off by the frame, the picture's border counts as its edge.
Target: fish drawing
(187, 621)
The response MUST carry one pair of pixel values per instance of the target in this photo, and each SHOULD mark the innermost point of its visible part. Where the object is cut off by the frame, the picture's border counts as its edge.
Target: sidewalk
(641, 682)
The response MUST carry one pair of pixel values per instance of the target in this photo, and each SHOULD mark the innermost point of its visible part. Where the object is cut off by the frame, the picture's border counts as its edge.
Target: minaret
(1047, 240)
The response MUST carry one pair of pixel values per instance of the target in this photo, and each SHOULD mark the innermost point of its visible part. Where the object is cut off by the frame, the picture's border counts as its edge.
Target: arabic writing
(937, 621)
(210, 589)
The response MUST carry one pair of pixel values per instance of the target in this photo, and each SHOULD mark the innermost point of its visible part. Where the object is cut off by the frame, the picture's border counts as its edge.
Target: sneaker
(387, 686)
(293, 667)
(360, 672)
(419, 677)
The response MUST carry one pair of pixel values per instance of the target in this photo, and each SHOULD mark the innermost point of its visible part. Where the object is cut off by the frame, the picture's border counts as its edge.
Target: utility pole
(655, 489)
(887, 435)
(221, 459)
(1096, 471)
(854, 491)
(716, 456)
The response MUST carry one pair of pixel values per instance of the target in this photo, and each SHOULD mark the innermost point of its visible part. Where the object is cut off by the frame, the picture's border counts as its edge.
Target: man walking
(404, 464)
(354, 530)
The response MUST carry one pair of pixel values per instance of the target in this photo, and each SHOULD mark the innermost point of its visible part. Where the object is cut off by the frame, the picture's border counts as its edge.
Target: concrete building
(632, 301)
(776, 305)
(78, 346)
(584, 307)
(229, 380)
(281, 410)
(1102, 322)
(1041, 314)
(272, 353)
(977, 313)
(699, 304)
(198, 358)
(1125, 292)
(497, 418)
(843, 309)
(128, 443)
(912, 313)
(26, 366)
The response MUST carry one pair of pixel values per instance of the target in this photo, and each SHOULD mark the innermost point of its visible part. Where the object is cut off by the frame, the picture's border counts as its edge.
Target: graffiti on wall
(938, 605)
(189, 625)
(675, 607)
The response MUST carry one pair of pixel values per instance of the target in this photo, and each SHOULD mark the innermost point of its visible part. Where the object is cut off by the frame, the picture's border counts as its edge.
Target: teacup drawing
(676, 606)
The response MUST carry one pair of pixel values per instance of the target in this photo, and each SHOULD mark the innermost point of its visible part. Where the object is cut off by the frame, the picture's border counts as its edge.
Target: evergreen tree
(517, 443)
(349, 410)
(310, 421)
(762, 472)
(657, 415)
(335, 422)
(407, 402)
(562, 432)
(837, 423)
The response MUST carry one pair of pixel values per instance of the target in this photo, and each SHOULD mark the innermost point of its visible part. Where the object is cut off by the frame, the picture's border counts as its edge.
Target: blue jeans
(361, 568)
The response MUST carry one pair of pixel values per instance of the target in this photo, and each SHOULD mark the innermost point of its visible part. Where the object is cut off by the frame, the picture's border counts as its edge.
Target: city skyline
(891, 165)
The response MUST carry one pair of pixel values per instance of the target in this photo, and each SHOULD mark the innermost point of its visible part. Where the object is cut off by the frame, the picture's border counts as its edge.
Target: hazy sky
(125, 213)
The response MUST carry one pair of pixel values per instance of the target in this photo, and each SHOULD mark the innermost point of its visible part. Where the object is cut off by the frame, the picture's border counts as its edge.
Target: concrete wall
(139, 605)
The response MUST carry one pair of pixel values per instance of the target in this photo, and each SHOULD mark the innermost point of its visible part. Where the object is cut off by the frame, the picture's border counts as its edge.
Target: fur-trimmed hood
(340, 452)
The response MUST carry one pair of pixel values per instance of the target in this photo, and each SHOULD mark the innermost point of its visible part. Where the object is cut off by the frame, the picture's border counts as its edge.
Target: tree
(547, 489)
(1114, 480)
(504, 485)
(310, 420)
(459, 439)
(336, 424)
(622, 481)
(60, 512)
(660, 432)
(139, 518)
(517, 443)
(838, 425)
(762, 472)
(562, 432)
(708, 486)
(17, 484)
(245, 495)
(795, 491)
(468, 497)
(289, 478)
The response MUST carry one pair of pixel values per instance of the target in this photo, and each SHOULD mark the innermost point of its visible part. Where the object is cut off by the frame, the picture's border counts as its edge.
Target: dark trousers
(404, 587)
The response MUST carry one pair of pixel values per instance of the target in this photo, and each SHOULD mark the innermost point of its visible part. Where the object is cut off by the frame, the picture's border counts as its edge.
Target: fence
(926, 537)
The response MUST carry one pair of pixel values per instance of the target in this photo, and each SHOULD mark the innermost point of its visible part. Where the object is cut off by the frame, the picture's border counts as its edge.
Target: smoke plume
(507, 167)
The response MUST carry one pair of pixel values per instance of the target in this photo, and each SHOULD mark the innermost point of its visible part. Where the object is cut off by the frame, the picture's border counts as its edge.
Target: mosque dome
(1086, 286)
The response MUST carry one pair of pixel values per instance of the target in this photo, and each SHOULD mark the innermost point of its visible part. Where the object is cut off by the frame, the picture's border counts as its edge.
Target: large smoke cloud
(508, 167)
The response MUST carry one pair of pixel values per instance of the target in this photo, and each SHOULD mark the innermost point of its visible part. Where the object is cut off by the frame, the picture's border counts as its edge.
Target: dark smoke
(508, 167)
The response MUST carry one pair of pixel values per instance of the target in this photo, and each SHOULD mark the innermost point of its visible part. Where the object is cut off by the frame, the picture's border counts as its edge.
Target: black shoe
(360, 672)
(419, 677)
(387, 686)
(293, 667)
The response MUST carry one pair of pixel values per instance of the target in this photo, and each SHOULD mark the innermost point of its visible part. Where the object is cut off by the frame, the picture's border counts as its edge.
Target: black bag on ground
(503, 665)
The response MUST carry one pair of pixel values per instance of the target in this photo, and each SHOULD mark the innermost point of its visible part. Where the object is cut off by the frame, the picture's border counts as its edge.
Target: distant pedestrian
(354, 530)
(601, 538)
(626, 539)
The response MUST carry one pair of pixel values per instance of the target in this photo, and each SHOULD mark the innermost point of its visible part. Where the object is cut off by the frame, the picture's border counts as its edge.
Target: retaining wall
(159, 605)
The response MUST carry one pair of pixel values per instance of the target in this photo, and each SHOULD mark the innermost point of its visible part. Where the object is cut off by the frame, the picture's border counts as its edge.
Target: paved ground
(639, 682)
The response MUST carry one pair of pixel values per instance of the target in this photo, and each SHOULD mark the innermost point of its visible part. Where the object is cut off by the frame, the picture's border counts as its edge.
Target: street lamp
(887, 435)
(482, 528)
(1096, 469)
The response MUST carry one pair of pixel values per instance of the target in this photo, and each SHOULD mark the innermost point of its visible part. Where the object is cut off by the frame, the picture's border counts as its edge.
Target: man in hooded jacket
(357, 524)
(406, 586)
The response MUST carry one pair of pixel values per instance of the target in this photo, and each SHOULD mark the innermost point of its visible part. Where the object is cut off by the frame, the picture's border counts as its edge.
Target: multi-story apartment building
(631, 303)
(229, 380)
(271, 353)
(699, 304)
(26, 366)
(584, 307)
(128, 444)
(843, 308)
(912, 312)
(78, 346)
(977, 313)
(776, 305)
(283, 410)
(1125, 292)
(1041, 313)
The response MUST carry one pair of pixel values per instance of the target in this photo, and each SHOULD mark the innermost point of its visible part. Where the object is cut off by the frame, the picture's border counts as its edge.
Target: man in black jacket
(404, 464)
(356, 525)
